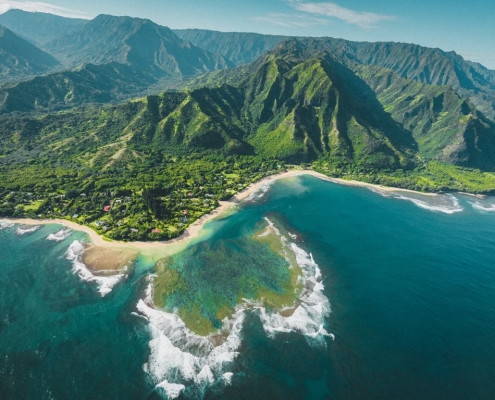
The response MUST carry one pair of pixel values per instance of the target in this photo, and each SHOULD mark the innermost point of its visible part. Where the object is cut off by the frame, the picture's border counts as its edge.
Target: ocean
(396, 300)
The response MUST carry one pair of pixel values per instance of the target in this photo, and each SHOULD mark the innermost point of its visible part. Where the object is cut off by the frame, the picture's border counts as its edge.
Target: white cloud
(36, 6)
(292, 20)
(366, 20)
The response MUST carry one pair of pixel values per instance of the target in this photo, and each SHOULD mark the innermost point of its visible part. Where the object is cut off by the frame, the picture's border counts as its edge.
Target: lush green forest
(156, 198)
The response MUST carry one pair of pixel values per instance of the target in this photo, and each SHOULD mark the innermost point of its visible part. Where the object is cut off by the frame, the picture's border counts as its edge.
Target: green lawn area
(34, 206)
(171, 228)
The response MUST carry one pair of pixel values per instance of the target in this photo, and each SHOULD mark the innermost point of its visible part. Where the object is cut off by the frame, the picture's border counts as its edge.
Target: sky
(467, 27)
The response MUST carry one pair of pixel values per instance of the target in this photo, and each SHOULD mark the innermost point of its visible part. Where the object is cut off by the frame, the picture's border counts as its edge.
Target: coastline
(194, 229)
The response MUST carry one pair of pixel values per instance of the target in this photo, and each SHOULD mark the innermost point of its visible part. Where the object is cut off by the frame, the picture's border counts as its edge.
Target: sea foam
(60, 235)
(309, 316)
(483, 207)
(446, 209)
(444, 203)
(4, 224)
(179, 357)
(261, 191)
(171, 390)
(22, 230)
(105, 283)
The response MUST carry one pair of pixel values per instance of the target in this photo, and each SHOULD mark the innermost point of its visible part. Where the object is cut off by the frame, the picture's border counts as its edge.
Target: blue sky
(468, 27)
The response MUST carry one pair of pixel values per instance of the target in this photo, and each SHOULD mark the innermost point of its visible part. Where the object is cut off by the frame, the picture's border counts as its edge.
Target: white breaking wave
(179, 355)
(5, 224)
(23, 230)
(261, 191)
(60, 235)
(447, 203)
(172, 390)
(227, 377)
(105, 283)
(483, 207)
(309, 317)
(447, 209)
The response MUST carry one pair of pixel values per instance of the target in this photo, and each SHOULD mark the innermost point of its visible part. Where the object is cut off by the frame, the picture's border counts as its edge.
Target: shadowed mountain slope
(20, 59)
(433, 122)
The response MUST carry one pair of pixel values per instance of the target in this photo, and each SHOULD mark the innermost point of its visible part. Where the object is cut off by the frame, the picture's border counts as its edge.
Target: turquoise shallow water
(411, 290)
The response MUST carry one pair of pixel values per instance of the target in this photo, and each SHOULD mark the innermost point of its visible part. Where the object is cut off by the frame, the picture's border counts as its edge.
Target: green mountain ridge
(121, 58)
(426, 65)
(162, 161)
(158, 52)
(434, 121)
(20, 59)
(446, 127)
(87, 84)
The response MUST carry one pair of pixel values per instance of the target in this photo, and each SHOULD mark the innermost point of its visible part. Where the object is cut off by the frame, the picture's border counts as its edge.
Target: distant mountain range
(137, 42)
(106, 59)
(240, 48)
(158, 52)
(20, 59)
(39, 28)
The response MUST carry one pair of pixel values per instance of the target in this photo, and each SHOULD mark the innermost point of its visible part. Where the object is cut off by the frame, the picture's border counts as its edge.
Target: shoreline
(195, 228)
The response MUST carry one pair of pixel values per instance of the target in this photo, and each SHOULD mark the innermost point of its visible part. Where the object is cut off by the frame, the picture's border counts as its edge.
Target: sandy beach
(108, 259)
(194, 229)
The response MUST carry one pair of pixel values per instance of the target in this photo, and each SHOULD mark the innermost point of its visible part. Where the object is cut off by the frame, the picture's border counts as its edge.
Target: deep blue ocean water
(411, 285)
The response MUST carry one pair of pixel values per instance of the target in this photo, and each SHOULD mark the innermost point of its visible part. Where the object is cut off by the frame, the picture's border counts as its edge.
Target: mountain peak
(137, 42)
(37, 27)
(19, 58)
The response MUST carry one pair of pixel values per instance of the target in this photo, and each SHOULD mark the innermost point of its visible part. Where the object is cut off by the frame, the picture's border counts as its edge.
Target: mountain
(422, 64)
(240, 48)
(136, 42)
(445, 126)
(159, 51)
(87, 84)
(20, 59)
(39, 28)
(426, 65)
(112, 58)
(297, 105)
(404, 116)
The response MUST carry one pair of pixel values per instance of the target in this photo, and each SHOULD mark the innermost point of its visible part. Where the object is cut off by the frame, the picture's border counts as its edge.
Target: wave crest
(105, 283)
(445, 203)
(309, 316)
(483, 207)
(4, 224)
(179, 355)
(60, 235)
(22, 230)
